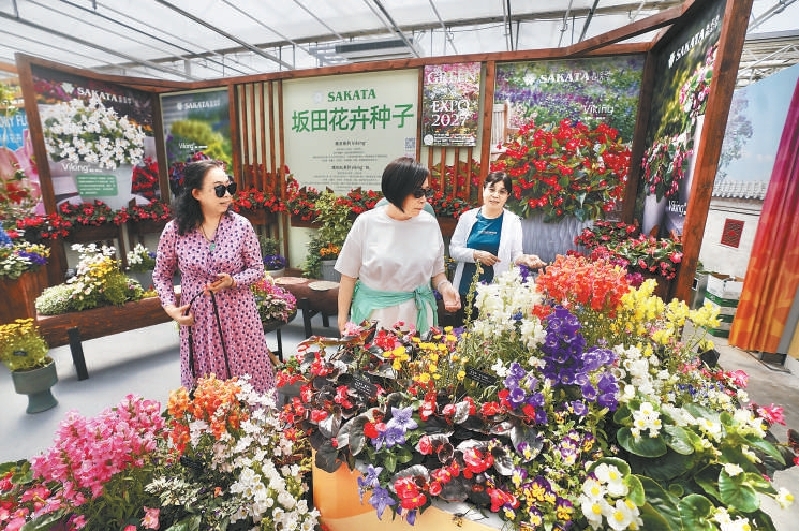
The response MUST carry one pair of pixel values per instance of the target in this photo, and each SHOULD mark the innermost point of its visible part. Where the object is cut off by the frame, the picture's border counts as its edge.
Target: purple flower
(402, 418)
(380, 500)
(370, 481)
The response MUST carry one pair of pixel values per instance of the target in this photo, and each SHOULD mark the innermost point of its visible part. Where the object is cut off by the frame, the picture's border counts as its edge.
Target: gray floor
(145, 362)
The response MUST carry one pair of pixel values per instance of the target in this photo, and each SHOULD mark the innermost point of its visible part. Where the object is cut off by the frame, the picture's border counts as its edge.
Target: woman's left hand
(452, 300)
(223, 281)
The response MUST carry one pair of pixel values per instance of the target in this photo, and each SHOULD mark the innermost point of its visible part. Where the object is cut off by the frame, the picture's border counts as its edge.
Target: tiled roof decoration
(741, 189)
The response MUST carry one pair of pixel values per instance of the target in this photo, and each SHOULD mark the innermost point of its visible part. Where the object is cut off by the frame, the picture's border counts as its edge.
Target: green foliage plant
(336, 221)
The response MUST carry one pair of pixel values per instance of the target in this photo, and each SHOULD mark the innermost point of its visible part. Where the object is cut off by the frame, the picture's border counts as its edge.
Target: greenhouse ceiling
(206, 39)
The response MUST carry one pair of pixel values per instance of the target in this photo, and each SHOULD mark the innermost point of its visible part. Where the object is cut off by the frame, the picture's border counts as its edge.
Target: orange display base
(336, 497)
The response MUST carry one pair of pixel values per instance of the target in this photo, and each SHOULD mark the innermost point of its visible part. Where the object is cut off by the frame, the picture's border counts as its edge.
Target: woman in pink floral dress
(218, 256)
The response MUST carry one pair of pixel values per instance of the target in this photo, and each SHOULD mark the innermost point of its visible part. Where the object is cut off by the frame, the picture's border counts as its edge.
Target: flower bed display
(214, 458)
(575, 402)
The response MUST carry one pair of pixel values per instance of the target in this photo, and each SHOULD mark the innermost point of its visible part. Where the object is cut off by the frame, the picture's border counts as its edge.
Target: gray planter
(36, 383)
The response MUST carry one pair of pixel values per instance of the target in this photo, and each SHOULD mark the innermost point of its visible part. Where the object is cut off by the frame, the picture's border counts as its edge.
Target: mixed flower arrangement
(274, 303)
(622, 245)
(98, 281)
(18, 196)
(22, 348)
(213, 459)
(19, 256)
(569, 403)
(565, 169)
(89, 131)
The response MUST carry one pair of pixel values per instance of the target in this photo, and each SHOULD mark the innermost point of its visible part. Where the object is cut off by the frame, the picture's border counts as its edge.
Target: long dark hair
(188, 213)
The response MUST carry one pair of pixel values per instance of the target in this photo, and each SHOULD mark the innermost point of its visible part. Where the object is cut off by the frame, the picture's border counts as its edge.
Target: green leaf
(660, 504)
(679, 439)
(390, 462)
(635, 491)
(708, 479)
(652, 519)
(45, 522)
(644, 446)
(735, 490)
(696, 511)
(620, 464)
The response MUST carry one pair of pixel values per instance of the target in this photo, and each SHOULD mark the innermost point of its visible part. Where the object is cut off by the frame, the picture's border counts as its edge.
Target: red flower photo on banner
(565, 169)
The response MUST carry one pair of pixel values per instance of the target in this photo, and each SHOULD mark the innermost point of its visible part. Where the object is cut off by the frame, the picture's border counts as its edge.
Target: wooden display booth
(292, 123)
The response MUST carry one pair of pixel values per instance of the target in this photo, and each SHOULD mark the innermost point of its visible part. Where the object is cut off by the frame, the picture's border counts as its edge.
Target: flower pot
(36, 383)
(336, 497)
(329, 272)
(548, 240)
(18, 295)
(145, 278)
(276, 273)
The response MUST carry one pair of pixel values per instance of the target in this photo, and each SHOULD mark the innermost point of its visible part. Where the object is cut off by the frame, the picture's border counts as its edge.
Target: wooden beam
(725, 69)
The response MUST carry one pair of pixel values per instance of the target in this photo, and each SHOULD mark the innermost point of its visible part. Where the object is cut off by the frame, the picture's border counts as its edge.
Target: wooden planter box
(260, 216)
(74, 327)
(19, 294)
(297, 222)
(94, 233)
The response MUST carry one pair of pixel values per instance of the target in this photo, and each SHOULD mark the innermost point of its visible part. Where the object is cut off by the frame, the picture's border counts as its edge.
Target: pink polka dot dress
(235, 251)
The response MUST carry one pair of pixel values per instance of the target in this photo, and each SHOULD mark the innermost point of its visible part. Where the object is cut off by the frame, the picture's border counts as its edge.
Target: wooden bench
(74, 327)
(310, 301)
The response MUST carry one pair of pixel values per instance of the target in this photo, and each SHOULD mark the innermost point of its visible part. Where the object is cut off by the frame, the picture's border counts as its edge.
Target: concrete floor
(145, 362)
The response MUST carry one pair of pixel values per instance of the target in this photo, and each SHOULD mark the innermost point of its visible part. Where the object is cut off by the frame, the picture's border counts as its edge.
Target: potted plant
(22, 278)
(336, 221)
(141, 262)
(24, 352)
(274, 262)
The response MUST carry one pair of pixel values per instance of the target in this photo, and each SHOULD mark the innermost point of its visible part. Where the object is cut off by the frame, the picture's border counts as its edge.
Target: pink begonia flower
(739, 377)
(130, 528)
(772, 414)
(150, 520)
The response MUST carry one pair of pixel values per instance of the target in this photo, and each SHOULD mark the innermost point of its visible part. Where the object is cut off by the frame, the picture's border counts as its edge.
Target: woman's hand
(452, 299)
(182, 315)
(223, 281)
(532, 261)
(485, 258)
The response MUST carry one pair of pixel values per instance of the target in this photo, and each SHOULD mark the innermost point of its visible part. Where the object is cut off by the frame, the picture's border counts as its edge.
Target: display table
(313, 297)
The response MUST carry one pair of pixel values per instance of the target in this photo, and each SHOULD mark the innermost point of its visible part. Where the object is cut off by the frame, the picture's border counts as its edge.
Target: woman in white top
(392, 254)
(489, 235)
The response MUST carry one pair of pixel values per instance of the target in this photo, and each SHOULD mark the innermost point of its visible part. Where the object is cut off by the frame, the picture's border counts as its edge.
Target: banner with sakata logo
(341, 131)
(196, 126)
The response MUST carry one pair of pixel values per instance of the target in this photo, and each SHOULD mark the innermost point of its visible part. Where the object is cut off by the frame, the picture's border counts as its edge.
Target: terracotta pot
(36, 383)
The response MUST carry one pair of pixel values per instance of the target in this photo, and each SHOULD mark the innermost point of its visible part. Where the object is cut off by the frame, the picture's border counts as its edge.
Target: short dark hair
(499, 176)
(400, 178)
(188, 213)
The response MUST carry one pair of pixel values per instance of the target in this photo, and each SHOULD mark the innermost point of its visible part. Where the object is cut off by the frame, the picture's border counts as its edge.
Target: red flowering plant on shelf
(565, 169)
(361, 200)
(69, 216)
(301, 201)
(153, 211)
(448, 206)
(253, 199)
(456, 179)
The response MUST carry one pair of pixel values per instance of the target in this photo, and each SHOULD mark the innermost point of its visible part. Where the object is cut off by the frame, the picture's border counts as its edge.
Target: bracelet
(438, 287)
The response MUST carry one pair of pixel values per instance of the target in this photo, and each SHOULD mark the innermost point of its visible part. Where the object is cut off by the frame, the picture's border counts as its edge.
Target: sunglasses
(220, 189)
(419, 192)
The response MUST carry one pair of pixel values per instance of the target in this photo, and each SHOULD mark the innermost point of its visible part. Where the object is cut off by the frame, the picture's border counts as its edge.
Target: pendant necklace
(211, 242)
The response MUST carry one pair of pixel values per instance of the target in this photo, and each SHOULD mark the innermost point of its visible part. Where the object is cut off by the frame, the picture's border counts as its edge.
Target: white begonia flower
(784, 497)
(594, 510)
(732, 469)
(622, 515)
(612, 478)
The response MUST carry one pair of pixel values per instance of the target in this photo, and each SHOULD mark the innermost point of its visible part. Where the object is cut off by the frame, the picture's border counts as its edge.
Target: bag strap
(192, 360)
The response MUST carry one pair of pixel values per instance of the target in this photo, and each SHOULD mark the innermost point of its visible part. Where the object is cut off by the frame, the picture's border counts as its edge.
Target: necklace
(211, 242)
